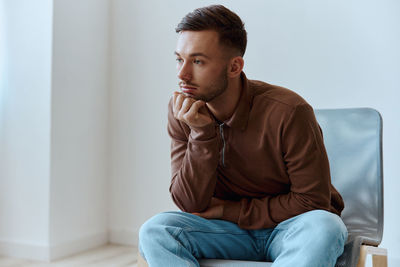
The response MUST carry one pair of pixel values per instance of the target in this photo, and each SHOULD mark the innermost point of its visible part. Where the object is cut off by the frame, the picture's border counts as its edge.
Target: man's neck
(224, 105)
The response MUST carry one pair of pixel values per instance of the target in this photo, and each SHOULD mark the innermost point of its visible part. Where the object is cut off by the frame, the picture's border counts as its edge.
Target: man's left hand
(215, 209)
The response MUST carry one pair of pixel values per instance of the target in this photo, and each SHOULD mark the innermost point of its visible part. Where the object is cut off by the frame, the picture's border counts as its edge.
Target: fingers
(190, 110)
(181, 105)
(186, 105)
(178, 100)
(205, 214)
(193, 111)
(174, 97)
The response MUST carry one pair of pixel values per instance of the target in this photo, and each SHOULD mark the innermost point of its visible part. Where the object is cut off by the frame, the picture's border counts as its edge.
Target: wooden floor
(106, 256)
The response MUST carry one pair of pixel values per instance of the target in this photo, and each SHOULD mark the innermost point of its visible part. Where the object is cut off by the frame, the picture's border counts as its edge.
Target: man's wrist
(204, 132)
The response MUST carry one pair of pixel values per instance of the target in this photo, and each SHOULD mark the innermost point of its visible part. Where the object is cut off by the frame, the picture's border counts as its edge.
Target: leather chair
(353, 140)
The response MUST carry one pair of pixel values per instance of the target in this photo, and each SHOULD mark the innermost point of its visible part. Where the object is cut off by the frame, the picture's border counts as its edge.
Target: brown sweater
(268, 159)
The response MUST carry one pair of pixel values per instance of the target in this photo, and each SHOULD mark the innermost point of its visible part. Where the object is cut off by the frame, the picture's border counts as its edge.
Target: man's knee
(155, 229)
(325, 227)
(158, 222)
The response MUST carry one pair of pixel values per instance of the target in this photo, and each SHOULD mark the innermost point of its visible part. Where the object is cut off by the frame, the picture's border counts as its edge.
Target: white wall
(142, 70)
(336, 54)
(79, 136)
(25, 126)
(53, 127)
(3, 58)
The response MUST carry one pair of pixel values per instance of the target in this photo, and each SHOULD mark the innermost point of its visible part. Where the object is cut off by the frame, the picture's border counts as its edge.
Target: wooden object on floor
(379, 256)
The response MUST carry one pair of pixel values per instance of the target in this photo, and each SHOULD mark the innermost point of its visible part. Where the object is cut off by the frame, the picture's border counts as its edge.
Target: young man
(249, 168)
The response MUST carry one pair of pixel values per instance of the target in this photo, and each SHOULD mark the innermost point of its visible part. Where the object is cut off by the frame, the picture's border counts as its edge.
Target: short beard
(217, 88)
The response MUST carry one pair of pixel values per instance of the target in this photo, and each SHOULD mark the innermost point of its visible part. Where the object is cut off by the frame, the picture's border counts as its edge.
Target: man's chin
(196, 97)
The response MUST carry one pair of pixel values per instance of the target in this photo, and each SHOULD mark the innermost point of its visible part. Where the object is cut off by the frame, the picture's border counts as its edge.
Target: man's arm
(308, 168)
(194, 153)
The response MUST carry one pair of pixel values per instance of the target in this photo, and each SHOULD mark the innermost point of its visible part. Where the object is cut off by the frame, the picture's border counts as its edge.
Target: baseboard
(75, 246)
(128, 237)
(40, 252)
(24, 250)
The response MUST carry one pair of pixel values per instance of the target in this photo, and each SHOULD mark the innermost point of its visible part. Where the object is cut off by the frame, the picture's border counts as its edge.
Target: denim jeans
(315, 238)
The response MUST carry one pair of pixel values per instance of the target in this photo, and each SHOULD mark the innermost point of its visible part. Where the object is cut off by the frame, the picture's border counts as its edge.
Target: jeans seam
(176, 234)
(214, 231)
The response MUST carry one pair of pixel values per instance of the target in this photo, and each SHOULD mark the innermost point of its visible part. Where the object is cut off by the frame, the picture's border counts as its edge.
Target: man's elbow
(189, 205)
(314, 203)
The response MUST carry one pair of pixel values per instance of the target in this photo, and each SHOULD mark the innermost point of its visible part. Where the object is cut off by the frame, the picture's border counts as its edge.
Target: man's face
(201, 64)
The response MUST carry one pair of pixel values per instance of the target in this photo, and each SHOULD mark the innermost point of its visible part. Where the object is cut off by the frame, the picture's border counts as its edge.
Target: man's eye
(179, 60)
(196, 61)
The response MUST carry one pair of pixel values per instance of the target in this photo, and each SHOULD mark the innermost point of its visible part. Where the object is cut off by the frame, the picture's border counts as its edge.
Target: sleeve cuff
(231, 211)
(203, 133)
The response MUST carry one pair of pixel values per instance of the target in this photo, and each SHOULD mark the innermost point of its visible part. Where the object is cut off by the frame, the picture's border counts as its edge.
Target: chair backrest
(353, 140)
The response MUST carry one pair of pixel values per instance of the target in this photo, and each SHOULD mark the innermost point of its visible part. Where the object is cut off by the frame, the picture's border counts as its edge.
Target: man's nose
(184, 73)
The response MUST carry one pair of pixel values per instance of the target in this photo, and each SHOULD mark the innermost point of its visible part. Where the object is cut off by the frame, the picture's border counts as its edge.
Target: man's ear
(235, 66)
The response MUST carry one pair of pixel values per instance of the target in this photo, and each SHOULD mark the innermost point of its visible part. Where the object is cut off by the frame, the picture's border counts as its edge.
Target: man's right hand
(191, 111)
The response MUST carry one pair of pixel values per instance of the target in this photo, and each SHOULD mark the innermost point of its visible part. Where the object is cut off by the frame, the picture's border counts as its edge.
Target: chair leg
(379, 256)
(141, 261)
(379, 261)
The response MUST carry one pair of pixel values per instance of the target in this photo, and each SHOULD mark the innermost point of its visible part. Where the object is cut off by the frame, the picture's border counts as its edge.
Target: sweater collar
(240, 116)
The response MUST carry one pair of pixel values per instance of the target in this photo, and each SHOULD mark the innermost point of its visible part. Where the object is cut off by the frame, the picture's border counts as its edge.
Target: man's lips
(183, 85)
(188, 90)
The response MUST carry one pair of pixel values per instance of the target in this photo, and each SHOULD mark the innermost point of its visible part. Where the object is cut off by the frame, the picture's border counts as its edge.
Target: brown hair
(226, 23)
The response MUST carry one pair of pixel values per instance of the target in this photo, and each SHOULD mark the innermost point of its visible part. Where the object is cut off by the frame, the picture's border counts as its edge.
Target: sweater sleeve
(194, 161)
(305, 157)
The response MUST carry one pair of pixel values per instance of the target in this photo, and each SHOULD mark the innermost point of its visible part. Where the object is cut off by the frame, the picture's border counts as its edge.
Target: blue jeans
(315, 238)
